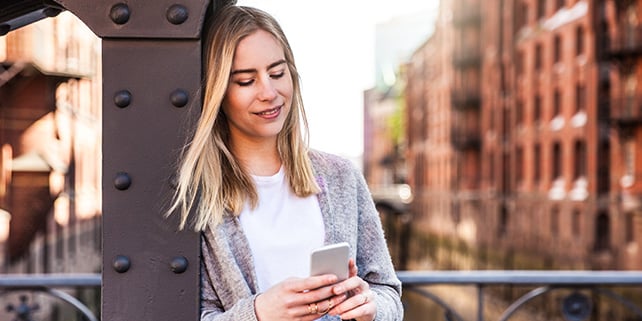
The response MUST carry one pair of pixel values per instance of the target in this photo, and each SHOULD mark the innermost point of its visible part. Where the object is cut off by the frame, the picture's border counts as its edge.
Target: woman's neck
(258, 159)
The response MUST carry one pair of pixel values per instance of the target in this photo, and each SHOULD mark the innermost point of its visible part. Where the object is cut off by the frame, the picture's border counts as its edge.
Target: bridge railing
(575, 306)
(49, 284)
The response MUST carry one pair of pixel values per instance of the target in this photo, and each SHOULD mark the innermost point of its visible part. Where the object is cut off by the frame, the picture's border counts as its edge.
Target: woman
(263, 201)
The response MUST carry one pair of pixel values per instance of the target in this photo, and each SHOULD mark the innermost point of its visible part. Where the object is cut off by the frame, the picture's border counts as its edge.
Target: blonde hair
(211, 182)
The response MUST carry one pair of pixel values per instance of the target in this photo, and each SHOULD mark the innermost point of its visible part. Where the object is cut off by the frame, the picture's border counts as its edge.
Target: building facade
(50, 169)
(524, 133)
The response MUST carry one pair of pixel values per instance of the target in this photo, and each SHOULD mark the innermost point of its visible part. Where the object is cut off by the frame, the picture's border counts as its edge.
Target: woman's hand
(360, 304)
(298, 299)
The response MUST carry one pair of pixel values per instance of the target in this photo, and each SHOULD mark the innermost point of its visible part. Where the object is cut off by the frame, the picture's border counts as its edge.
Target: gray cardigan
(228, 279)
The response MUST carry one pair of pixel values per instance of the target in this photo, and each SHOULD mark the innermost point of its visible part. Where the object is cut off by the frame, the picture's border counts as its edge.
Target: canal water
(419, 252)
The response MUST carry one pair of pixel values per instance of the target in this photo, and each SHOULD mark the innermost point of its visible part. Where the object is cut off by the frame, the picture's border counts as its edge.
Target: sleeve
(373, 259)
(212, 307)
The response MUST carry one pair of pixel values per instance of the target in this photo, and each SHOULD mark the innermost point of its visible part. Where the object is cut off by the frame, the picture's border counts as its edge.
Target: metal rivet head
(4, 29)
(122, 98)
(122, 181)
(119, 13)
(576, 307)
(178, 264)
(179, 98)
(177, 14)
(121, 264)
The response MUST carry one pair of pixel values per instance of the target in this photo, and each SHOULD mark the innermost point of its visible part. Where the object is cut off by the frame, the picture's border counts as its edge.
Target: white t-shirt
(282, 230)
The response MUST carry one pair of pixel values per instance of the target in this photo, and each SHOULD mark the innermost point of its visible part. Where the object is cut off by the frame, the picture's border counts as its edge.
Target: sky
(333, 43)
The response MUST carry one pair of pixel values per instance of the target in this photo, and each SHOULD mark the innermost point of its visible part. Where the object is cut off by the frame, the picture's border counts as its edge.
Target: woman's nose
(267, 91)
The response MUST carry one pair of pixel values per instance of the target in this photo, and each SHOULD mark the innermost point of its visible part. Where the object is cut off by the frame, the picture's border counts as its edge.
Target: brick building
(524, 133)
(50, 169)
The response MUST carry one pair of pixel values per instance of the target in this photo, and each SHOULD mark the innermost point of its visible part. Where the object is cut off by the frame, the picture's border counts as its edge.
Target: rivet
(122, 98)
(177, 14)
(576, 307)
(51, 12)
(119, 13)
(4, 29)
(178, 264)
(121, 264)
(179, 98)
(122, 181)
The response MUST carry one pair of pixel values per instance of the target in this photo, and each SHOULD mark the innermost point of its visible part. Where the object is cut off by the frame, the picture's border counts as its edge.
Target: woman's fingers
(353, 268)
(353, 285)
(285, 300)
(356, 306)
(311, 283)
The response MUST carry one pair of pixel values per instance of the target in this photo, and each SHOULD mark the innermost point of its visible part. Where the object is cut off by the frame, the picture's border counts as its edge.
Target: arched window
(629, 233)
(602, 232)
(557, 161)
(579, 159)
(502, 227)
(557, 49)
(576, 224)
(579, 40)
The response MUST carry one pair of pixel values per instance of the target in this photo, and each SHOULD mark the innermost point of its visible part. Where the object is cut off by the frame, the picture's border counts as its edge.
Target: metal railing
(576, 306)
(50, 284)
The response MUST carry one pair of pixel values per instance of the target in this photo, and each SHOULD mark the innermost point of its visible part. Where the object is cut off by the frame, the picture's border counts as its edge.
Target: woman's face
(259, 94)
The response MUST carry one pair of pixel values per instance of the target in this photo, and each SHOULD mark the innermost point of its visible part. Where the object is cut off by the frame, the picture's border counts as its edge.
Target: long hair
(211, 182)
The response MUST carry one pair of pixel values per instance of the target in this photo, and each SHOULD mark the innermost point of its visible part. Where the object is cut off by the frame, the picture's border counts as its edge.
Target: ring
(313, 310)
(328, 309)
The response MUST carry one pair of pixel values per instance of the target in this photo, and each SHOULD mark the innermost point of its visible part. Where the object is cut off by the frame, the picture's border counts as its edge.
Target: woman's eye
(277, 75)
(244, 83)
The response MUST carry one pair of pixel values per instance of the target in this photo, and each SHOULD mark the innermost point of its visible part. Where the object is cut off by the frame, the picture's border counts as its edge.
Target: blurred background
(494, 135)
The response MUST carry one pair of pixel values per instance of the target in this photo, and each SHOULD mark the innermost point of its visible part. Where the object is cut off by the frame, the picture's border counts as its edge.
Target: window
(580, 98)
(604, 170)
(557, 161)
(630, 228)
(579, 40)
(502, 228)
(576, 223)
(560, 4)
(541, 9)
(580, 159)
(519, 112)
(557, 103)
(629, 158)
(521, 15)
(557, 49)
(602, 232)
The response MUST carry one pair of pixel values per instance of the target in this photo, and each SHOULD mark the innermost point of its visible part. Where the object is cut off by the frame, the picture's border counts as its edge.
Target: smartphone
(331, 259)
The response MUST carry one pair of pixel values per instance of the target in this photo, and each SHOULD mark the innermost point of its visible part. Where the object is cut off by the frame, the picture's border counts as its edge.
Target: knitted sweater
(228, 279)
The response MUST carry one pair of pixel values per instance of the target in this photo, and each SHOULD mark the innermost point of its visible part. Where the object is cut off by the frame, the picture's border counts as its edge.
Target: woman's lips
(270, 113)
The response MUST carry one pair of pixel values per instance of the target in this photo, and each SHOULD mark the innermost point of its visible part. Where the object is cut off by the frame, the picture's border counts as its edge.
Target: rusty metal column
(151, 75)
